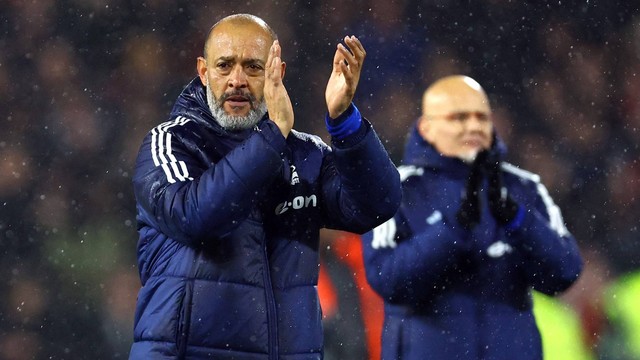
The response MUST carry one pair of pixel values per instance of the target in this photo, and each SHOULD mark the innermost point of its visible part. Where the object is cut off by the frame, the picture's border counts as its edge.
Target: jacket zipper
(272, 315)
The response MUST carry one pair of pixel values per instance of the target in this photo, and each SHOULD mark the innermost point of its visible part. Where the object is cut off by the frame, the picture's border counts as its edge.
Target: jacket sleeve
(406, 269)
(360, 184)
(190, 201)
(554, 260)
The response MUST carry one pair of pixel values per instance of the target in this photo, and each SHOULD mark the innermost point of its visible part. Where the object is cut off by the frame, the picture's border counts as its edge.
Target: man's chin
(469, 156)
(241, 111)
(236, 115)
(232, 122)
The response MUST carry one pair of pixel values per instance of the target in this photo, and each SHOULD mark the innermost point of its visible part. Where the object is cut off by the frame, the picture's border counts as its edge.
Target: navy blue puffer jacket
(229, 225)
(452, 294)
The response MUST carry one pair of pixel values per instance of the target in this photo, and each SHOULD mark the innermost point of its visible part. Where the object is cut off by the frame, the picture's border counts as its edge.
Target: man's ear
(201, 67)
(284, 67)
(423, 126)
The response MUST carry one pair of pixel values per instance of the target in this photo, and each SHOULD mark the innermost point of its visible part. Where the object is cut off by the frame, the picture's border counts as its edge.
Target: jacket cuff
(348, 123)
(270, 131)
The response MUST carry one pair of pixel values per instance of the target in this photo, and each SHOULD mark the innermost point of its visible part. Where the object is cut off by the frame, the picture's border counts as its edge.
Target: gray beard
(231, 122)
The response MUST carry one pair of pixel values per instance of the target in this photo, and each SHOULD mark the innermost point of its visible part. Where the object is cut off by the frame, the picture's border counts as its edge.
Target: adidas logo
(294, 175)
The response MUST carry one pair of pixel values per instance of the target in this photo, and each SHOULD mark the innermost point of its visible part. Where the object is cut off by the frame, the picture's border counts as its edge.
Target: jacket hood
(192, 103)
(419, 152)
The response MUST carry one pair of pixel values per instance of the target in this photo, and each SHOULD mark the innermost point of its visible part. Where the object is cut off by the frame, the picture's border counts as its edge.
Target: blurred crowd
(82, 81)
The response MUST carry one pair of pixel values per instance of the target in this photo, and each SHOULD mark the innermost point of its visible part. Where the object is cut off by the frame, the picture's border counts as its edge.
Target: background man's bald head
(448, 90)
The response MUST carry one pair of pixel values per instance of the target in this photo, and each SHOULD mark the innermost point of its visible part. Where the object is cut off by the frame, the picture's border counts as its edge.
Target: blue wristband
(344, 125)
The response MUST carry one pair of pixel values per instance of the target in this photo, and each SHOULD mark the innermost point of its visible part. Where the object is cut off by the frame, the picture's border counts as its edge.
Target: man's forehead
(238, 43)
(460, 101)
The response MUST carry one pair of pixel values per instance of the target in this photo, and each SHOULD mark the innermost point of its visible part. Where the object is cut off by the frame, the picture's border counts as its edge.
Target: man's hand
(503, 208)
(469, 213)
(347, 66)
(275, 94)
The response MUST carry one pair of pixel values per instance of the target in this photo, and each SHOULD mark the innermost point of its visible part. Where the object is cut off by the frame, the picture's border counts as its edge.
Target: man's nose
(237, 78)
(475, 121)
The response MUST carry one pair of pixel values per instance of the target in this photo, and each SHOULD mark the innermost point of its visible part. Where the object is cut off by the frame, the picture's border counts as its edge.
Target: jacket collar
(192, 104)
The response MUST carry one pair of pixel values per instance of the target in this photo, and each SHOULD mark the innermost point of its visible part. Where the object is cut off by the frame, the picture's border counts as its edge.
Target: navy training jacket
(454, 294)
(229, 225)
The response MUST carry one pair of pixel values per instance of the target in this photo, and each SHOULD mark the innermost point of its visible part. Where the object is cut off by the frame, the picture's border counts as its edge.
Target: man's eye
(460, 116)
(482, 117)
(223, 66)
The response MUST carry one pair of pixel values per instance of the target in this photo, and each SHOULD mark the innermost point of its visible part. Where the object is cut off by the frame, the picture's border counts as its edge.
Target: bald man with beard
(473, 236)
(231, 198)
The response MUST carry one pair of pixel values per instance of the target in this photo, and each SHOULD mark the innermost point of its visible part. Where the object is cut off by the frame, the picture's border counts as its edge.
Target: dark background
(82, 81)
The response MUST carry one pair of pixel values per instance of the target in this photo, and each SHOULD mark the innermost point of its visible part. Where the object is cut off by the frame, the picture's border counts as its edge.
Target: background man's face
(458, 124)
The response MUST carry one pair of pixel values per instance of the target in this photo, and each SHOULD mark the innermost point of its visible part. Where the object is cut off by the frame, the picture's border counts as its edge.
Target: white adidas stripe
(555, 216)
(162, 154)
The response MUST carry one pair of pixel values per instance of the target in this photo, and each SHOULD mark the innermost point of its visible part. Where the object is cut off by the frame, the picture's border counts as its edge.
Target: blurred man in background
(473, 236)
(230, 201)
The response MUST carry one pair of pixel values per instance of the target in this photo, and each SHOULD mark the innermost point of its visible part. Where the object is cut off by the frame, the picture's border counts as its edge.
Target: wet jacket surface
(456, 294)
(229, 225)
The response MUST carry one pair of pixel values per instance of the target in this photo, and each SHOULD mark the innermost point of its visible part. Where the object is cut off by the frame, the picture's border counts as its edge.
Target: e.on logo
(297, 203)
